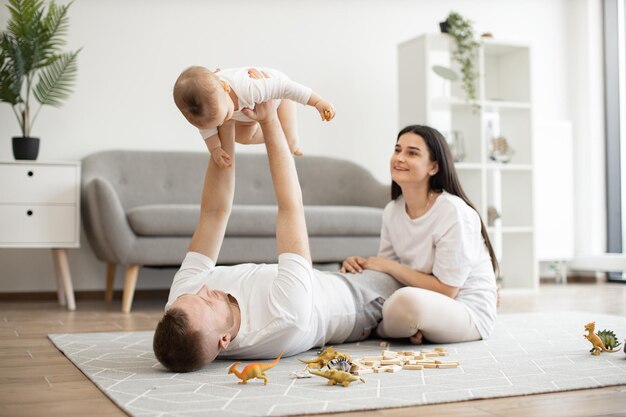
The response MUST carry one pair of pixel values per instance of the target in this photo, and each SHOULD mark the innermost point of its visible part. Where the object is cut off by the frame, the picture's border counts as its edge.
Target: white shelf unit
(503, 92)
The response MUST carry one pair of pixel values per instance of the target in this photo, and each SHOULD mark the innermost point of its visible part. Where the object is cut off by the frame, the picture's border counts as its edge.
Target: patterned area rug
(528, 354)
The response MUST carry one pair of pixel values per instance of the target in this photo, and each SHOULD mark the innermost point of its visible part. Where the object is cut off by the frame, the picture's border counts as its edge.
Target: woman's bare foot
(416, 339)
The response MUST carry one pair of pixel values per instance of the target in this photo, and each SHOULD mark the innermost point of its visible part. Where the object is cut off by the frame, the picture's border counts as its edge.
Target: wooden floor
(37, 380)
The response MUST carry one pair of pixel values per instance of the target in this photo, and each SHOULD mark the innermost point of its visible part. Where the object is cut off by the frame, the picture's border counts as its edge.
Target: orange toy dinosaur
(595, 340)
(253, 370)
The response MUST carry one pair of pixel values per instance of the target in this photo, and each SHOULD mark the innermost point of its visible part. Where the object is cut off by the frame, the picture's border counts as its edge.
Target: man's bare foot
(416, 339)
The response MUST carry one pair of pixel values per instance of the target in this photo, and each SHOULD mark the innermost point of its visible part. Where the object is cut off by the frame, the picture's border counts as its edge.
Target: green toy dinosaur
(337, 377)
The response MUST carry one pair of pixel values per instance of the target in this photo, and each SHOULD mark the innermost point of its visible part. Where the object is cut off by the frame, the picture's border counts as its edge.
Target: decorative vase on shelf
(25, 148)
(456, 143)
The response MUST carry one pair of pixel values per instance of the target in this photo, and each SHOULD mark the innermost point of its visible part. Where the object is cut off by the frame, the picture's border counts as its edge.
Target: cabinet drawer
(45, 225)
(32, 183)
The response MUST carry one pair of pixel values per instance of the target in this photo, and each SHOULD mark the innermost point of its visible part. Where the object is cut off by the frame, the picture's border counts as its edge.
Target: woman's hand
(377, 263)
(353, 264)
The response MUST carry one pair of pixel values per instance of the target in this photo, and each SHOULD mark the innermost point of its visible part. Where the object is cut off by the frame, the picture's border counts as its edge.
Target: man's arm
(291, 233)
(217, 201)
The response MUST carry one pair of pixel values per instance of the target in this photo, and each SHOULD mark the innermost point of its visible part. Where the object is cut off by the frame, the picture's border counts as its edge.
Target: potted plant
(32, 64)
(465, 52)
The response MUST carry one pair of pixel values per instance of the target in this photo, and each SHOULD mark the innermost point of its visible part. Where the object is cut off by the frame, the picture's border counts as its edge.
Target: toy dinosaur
(324, 358)
(338, 377)
(253, 370)
(595, 340)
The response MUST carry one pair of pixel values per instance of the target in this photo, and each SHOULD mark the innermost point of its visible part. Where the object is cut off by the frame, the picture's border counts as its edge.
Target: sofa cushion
(255, 220)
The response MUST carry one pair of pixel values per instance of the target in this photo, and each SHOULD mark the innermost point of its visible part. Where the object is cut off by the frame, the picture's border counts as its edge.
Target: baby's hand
(221, 158)
(256, 74)
(327, 111)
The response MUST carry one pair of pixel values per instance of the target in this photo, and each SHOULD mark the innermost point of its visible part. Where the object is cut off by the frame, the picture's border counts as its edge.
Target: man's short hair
(176, 345)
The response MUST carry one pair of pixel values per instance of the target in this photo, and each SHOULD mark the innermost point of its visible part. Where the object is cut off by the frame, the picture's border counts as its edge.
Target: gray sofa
(140, 208)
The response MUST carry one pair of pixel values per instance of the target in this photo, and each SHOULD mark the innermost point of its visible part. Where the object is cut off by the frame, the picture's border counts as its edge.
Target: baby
(209, 100)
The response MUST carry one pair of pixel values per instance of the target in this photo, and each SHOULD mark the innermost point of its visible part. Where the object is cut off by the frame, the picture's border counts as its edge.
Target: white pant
(441, 319)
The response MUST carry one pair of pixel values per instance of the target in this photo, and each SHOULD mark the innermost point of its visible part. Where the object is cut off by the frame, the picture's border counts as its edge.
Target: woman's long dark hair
(445, 178)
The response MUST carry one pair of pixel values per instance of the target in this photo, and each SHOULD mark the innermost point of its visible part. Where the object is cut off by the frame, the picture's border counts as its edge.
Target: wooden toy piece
(440, 349)
(338, 377)
(389, 354)
(393, 368)
(359, 372)
(447, 365)
(413, 367)
(253, 370)
(596, 342)
(324, 358)
(391, 362)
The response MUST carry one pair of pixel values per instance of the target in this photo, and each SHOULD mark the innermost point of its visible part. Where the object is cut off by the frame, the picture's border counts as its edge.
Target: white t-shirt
(286, 307)
(445, 241)
(251, 91)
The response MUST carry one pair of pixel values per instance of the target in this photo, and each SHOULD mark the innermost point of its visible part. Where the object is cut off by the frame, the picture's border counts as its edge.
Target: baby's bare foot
(297, 152)
(416, 339)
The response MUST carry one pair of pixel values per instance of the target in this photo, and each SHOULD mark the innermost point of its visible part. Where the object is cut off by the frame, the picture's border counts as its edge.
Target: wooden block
(429, 365)
(390, 353)
(418, 356)
(413, 367)
(391, 362)
(359, 372)
(430, 354)
(408, 353)
(442, 353)
(371, 358)
(380, 369)
(440, 349)
(372, 363)
(447, 365)
(393, 368)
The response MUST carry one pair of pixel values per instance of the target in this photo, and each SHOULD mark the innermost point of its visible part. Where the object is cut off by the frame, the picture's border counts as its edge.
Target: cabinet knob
(30, 173)
(29, 212)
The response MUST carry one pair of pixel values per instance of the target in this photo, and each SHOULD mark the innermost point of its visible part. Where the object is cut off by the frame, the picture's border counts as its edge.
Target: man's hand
(353, 264)
(262, 112)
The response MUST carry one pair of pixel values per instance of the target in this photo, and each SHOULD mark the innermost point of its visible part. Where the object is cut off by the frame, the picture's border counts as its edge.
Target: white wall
(345, 50)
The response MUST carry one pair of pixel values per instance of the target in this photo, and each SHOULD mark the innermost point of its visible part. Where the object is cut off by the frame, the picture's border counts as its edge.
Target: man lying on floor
(257, 311)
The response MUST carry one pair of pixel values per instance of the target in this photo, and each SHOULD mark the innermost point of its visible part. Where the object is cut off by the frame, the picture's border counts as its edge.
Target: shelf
(502, 110)
(509, 167)
(504, 105)
(468, 166)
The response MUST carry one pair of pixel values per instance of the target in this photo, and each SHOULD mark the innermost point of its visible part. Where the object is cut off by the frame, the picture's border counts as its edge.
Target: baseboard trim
(83, 295)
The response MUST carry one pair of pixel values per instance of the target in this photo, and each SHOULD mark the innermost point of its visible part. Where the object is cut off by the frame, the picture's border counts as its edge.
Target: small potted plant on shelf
(465, 51)
(32, 64)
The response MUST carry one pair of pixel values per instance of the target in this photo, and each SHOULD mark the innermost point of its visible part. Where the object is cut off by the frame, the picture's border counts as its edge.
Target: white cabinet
(40, 208)
(502, 109)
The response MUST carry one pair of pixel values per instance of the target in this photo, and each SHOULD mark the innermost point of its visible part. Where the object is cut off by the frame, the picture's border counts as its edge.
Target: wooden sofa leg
(132, 271)
(108, 293)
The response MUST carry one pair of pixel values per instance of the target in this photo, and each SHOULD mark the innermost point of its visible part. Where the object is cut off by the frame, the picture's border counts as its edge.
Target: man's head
(203, 98)
(194, 329)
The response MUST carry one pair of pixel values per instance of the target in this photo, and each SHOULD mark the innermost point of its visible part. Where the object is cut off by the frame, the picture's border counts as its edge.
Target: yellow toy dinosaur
(253, 370)
(595, 340)
(326, 356)
(338, 377)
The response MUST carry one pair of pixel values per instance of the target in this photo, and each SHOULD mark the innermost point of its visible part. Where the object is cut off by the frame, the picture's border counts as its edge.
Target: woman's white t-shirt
(446, 242)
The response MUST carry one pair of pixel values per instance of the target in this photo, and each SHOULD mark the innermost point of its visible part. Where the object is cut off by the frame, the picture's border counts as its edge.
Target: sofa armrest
(105, 222)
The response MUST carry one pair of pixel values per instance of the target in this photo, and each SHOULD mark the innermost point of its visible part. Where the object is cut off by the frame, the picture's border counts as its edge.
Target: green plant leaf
(11, 70)
(56, 81)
